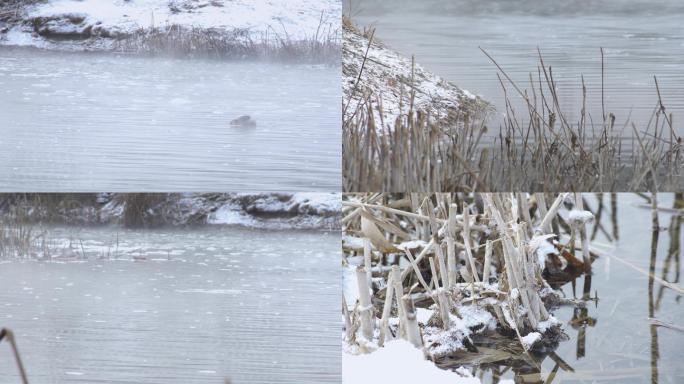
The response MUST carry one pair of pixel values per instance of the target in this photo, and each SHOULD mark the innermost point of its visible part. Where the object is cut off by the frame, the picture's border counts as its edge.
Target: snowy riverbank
(373, 71)
(271, 211)
(232, 28)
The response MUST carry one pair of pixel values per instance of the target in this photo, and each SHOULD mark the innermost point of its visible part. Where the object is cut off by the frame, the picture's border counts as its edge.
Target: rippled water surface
(204, 305)
(73, 121)
(641, 39)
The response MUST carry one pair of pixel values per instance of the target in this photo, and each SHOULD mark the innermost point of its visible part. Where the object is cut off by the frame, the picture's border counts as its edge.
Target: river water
(641, 39)
(94, 122)
(205, 305)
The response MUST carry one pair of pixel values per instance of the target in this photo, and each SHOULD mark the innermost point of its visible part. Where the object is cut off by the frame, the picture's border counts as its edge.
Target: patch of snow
(423, 315)
(16, 36)
(413, 244)
(320, 203)
(545, 325)
(352, 242)
(542, 248)
(577, 218)
(529, 339)
(230, 214)
(296, 19)
(473, 316)
(397, 362)
(258, 21)
(443, 342)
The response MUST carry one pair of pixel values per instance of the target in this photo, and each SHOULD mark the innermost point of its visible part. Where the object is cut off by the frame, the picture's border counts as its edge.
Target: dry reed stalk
(6, 333)
(412, 329)
(366, 309)
(398, 293)
(486, 268)
(347, 319)
(546, 153)
(387, 308)
(451, 247)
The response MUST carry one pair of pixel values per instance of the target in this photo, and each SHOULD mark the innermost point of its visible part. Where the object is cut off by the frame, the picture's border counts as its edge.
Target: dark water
(252, 306)
(94, 122)
(641, 39)
(612, 340)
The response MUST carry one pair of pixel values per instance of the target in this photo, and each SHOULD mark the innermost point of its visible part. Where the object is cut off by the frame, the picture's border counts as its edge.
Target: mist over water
(93, 122)
(641, 39)
(206, 304)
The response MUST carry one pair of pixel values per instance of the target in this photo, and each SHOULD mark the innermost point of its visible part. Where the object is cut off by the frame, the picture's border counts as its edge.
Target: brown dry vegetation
(537, 149)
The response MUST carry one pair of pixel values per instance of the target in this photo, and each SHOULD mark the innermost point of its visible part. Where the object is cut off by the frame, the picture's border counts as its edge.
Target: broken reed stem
(398, 293)
(548, 218)
(367, 260)
(586, 258)
(487, 263)
(413, 334)
(511, 257)
(416, 269)
(466, 242)
(451, 247)
(444, 307)
(387, 308)
(433, 269)
(438, 250)
(541, 204)
(366, 309)
(6, 333)
(347, 319)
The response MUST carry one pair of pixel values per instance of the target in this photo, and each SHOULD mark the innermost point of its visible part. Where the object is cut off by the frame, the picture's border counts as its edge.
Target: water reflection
(601, 311)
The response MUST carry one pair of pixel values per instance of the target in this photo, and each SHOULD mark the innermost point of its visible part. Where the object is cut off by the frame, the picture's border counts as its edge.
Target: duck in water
(244, 121)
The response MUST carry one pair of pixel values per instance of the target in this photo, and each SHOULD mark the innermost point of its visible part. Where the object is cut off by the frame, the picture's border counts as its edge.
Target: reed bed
(11, 11)
(537, 149)
(181, 41)
(444, 270)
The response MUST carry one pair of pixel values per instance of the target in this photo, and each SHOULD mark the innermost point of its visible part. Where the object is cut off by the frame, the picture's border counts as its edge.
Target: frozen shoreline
(127, 25)
(252, 210)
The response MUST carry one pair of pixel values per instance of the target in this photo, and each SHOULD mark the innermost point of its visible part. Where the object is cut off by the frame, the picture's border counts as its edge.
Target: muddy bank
(273, 211)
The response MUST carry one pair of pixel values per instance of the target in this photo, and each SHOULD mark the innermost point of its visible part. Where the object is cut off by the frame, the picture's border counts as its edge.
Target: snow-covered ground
(387, 79)
(398, 362)
(256, 20)
(300, 210)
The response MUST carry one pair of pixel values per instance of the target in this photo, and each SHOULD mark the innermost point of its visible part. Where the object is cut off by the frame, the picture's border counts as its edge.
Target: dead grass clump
(242, 44)
(143, 210)
(70, 208)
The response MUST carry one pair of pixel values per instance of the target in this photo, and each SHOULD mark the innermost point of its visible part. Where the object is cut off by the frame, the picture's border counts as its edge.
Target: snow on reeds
(440, 270)
(536, 149)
